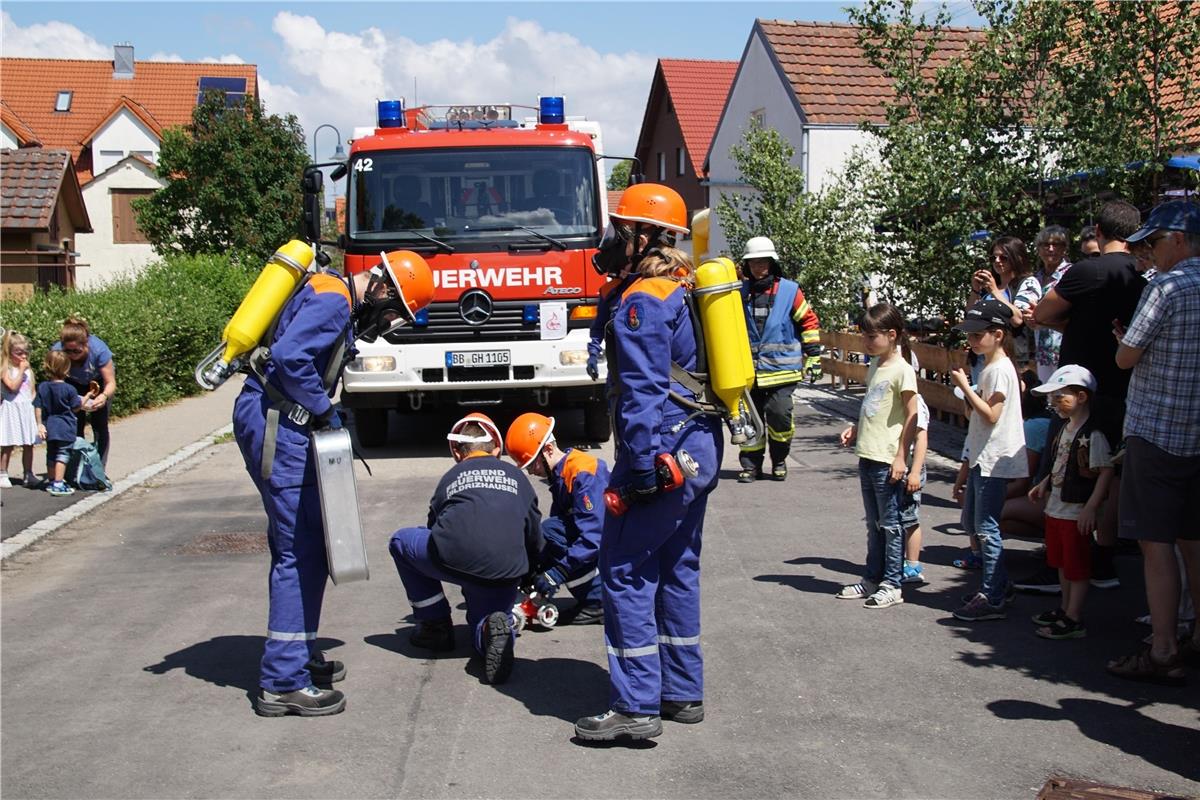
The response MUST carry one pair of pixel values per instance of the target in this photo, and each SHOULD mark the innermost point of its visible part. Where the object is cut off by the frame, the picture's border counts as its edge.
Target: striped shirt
(1163, 404)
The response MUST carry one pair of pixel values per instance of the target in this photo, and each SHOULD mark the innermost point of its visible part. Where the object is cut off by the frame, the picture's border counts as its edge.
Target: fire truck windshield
(472, 194)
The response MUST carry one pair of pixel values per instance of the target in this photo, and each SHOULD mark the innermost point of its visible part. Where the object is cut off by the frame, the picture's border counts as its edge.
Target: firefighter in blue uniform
(574, 526)
(650, 555)
(785, 339)
(286, 396)
(484, 535)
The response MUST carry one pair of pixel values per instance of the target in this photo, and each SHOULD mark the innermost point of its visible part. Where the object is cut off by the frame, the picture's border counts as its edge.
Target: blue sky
(327, 62)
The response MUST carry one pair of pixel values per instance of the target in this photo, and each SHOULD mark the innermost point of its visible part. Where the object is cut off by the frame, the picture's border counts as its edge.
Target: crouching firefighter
(483, 534)
(650, 554)
(573, 528)
(785, 341)
(292, 376)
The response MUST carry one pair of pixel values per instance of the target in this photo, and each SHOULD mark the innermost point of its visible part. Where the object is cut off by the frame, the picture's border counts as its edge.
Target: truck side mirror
(313, 186)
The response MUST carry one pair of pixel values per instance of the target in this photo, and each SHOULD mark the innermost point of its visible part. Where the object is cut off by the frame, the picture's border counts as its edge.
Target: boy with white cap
(1073, 480)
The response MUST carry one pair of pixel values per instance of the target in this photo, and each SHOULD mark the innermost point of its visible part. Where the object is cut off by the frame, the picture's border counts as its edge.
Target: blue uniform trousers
(423, 580)
(650, 566)
(296, 537)
(586, 587)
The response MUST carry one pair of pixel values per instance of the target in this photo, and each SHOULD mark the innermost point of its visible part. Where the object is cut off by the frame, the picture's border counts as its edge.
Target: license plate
(478, 358)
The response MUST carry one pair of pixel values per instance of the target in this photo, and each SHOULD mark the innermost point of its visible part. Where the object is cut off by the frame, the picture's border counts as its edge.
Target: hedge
(158, 324)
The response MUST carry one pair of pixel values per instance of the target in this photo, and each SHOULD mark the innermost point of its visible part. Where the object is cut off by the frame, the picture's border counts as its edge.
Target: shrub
(158, 324)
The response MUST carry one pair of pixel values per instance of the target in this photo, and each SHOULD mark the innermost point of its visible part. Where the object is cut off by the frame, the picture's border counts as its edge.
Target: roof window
(63, 103)
(234, 89)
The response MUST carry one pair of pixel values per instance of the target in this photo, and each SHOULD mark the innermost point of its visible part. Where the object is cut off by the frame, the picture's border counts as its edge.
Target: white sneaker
(5, 483)
(856, 591)
(884, 596)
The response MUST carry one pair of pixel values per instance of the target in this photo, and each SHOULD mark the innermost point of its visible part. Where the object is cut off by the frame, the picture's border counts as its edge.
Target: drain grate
(237, 543)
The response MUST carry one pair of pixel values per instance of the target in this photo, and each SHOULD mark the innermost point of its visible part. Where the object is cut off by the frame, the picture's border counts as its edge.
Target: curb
(38, 530)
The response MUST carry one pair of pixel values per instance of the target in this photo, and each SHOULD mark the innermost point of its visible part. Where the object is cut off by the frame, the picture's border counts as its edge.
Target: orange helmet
(526, 437)
(412, 277)
(481, 419)
(652, 204)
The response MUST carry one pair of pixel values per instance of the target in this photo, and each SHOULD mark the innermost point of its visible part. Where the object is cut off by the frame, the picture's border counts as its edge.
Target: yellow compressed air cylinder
(259, 307)
(719, 300)
(700, 228)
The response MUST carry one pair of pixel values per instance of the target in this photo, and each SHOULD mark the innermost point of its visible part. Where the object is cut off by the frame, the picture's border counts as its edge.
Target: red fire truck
(508, 211)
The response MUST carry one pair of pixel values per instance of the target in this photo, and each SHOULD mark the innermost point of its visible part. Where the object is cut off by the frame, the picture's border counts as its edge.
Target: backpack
(85, 470)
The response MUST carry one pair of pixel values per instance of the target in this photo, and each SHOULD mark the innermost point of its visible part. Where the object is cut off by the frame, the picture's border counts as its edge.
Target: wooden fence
(933, 378)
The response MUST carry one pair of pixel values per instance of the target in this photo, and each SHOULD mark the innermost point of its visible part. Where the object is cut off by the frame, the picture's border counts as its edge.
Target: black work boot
(433, 634)
(325, 673)
(688, 712)
(613, 724)
(307, 702)
(779, 470)
(586, 614)
(497, 648)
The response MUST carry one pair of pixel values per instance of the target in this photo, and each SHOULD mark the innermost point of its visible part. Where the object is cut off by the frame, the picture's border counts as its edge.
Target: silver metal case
(345, 545)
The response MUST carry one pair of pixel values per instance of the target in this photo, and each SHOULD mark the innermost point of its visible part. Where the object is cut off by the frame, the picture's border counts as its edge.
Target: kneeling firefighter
(293, 374)
(650, 554)
(573, 528)
(785, 341)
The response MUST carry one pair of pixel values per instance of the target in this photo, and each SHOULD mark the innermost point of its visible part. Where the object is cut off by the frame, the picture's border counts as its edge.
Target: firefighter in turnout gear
(285, 396)
(650, 555)
(784, 339)
(572, 530)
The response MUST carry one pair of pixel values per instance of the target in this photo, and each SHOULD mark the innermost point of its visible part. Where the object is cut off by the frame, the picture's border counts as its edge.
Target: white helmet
(760, 247)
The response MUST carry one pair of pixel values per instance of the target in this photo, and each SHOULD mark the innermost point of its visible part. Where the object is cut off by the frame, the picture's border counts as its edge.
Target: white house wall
(828, 149)
(758, 85)
(8, 139)
(105, 259)
(124, 135)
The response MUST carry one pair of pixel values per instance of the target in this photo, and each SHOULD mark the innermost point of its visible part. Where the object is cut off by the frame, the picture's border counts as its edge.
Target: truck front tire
(371, 426)
(596, 424)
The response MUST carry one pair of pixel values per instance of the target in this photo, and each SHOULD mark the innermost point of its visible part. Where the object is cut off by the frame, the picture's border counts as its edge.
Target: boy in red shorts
(1073, 481)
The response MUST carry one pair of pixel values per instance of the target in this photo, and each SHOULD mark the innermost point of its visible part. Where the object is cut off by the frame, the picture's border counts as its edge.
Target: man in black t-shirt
(1083, 305)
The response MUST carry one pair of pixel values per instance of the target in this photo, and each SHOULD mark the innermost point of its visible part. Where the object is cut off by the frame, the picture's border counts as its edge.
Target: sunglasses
(1152, 241)
(72, 351)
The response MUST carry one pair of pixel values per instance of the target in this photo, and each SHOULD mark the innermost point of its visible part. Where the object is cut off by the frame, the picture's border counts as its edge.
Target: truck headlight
(572, 358)
(374, 364)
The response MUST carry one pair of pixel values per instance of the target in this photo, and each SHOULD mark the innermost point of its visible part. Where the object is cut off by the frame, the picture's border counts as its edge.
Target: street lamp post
(338, 153)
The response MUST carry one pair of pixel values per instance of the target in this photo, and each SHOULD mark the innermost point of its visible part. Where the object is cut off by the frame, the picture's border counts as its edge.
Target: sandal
(972, 561)
(1141, 666)
(1062, 628)
(779, 471)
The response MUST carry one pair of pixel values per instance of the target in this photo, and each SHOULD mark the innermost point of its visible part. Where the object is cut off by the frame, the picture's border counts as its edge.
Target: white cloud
(336, 77)
(175, 58)
(48, 40)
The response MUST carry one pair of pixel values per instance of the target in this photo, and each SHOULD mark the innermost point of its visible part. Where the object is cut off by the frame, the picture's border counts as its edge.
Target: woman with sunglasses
(92, 374)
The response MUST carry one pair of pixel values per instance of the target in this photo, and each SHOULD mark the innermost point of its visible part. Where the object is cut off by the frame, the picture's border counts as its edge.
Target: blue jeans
(982, 504)
(885, 535)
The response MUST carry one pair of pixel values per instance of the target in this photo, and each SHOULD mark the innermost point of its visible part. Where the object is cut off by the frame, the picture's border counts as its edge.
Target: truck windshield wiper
(557, 244)
(441, 245)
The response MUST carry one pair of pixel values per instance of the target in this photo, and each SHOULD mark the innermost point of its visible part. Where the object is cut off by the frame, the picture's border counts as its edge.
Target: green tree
(232, 182)
(618, 179)
(820, 237)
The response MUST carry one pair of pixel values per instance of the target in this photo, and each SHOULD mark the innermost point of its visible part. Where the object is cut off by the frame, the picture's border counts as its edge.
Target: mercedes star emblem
(475, 307)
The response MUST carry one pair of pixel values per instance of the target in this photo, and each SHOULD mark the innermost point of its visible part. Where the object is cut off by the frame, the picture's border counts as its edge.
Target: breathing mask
(378, 314)
(610, 258)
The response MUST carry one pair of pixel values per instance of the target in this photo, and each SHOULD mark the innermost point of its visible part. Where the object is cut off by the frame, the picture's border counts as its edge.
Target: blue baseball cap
(1176, 215)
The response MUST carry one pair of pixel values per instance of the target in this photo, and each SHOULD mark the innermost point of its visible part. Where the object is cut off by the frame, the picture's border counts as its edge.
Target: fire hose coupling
(667, 476)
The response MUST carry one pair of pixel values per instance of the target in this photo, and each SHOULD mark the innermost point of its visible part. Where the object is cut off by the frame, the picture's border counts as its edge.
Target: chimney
(123, 62)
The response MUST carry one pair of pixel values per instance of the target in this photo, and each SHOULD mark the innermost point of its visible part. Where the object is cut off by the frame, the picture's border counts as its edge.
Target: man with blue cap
(1159, 494)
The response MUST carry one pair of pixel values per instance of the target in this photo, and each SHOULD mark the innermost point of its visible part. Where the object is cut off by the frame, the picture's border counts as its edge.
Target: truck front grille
(506, 325)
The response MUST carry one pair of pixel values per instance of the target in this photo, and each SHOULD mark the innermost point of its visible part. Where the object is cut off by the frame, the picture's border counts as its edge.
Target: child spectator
(483, 534)
(882, 437)
(18, 424)
(996, 448)
(54, 410)
(910, 503)
(573, 528)
(1073, 481)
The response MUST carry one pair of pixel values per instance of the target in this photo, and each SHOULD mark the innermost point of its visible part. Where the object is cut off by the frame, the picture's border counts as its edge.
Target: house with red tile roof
(109, 116)
(41, 212)
(811, 82)
(686, 98)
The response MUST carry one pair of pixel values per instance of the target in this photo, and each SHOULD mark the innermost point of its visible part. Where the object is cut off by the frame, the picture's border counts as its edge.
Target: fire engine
(508, 210)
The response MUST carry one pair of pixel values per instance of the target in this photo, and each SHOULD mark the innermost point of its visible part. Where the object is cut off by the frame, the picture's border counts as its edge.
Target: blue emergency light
(421, 318)
(391, 113)
(550, 111)
(529, 314)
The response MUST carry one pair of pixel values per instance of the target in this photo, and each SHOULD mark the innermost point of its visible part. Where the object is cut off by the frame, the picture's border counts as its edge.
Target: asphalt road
(131, 639)
(24, 506)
